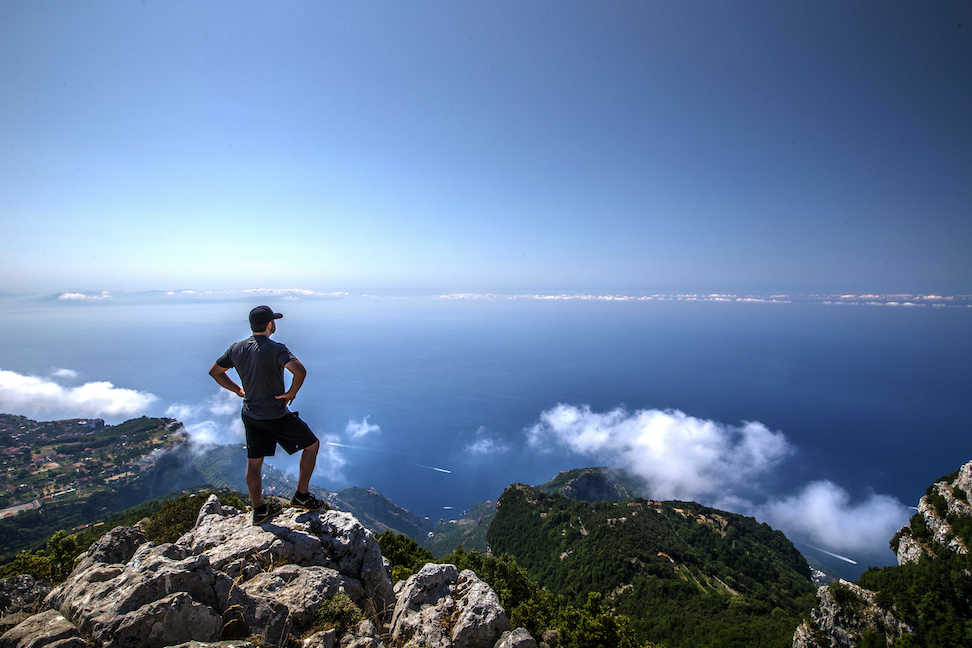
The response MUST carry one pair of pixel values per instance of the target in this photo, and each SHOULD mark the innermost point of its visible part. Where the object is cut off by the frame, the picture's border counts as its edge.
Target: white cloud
(823, 513)
(77, 296)
(292, 292)
(485, 444)
(221, 403)
(33, 396)
(64, 373)
(680, 456)
(182, 411)
(727, 466)
(224, 403)
(359, 429)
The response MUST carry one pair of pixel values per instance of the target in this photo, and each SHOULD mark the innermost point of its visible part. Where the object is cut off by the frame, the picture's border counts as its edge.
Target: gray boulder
(229, 643)
(156, 599)
(441, 608)
(364, 635)
(285, 600)
(48, 629)
(518, 638)
(115, 547)
(22, 593)
(835, 625)
(322, 639)
(332, 539)
(481, 617)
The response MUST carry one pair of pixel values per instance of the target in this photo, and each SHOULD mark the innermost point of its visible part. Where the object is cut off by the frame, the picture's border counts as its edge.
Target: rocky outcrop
(115, 547)
(844, 614)
(21, 593)
(439, 607)
(228, 583)
(518, 638)
(930, 533)
(48, 629)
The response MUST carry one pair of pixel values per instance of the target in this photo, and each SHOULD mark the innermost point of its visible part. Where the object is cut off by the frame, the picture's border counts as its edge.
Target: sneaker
(263, 513)
(307, 501)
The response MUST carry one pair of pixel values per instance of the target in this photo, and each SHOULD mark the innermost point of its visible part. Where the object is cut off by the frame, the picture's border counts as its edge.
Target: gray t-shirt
(260, 362)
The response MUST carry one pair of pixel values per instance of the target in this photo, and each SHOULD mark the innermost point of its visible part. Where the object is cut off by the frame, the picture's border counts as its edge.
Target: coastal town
(43, 462)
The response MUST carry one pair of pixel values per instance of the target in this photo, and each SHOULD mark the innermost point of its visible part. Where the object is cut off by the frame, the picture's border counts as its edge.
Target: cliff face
(937, 528)
(309, 579)
(926, 600)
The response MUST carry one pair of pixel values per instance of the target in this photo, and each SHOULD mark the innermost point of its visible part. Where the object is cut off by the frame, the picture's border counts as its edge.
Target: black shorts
(289, 431)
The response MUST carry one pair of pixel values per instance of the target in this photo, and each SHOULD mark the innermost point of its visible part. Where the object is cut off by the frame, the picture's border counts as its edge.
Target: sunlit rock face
(230, 582)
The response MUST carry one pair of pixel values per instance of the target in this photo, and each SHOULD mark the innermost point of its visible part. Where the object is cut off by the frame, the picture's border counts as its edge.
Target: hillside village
(73, 459)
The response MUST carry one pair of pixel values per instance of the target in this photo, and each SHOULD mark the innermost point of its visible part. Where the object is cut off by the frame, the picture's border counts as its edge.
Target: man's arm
(219, 375)
(299, 373)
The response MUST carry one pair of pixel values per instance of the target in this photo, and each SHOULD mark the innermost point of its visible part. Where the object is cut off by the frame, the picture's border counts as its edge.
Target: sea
(872, 398)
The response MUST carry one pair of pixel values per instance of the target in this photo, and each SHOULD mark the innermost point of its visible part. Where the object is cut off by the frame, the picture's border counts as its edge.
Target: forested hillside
(686, 575)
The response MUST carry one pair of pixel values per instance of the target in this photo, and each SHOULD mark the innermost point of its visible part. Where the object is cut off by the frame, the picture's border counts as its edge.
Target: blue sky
(499, 146)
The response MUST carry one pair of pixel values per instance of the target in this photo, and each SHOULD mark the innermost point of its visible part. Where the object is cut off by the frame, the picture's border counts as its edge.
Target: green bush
(933, 596)
(338, 612)
(405, 555)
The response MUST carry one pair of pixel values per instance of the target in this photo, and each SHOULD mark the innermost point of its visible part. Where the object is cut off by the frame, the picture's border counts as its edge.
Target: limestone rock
(323, 639)
(22, 593)
(909, 550)
(331, 539)
(156, 599)
(115, 547)
(285, 600)
(171, 619)
(229, 643)
(441, 608)
(955, 495)
(518, 638)
(843, 613)
(47, 629)
(364, 635)
(481, 617)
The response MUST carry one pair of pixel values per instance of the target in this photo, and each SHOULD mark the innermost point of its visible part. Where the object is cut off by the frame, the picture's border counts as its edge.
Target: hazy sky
(490, 146)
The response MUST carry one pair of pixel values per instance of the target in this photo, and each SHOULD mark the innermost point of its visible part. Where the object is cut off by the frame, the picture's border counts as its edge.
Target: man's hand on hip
(287, 396)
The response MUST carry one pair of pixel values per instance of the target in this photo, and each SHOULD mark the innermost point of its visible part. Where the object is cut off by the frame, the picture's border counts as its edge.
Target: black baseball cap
(261, 316)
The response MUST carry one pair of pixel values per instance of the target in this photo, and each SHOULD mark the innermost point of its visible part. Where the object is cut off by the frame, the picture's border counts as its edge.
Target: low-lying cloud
(679, 456)
(824, 513)
(104, 295)
(486, 444)
(39, 397)
(359, 429)
(684, 457)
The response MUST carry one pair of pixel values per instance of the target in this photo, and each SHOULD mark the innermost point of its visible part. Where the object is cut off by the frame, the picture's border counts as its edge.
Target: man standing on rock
(260, 362)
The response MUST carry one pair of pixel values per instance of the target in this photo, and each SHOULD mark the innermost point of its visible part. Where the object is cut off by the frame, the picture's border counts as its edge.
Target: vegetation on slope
(167, 519)
(933, 596)
(687, 575)
(589, 625)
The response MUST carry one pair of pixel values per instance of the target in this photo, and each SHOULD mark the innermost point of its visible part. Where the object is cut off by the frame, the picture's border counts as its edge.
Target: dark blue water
(874, 399)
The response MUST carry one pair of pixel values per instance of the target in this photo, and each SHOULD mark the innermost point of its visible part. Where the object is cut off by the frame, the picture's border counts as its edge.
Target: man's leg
(308, 459)
(254, 480)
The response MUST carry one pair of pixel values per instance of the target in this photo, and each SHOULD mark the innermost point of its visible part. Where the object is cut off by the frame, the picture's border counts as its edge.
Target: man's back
(260, 362)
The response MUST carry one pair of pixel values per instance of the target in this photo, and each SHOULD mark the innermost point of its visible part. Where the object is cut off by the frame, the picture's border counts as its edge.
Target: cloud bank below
(38, 397)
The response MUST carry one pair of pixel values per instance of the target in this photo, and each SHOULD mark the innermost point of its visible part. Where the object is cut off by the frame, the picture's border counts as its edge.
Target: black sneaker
(266, 511)
(307, 501)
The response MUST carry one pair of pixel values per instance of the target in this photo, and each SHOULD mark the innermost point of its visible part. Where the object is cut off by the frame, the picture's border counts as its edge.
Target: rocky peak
(228, 581)
(930, 532)
(846, 614)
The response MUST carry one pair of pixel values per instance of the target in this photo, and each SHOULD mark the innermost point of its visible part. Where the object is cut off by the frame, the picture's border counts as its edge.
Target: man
(260, 362)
